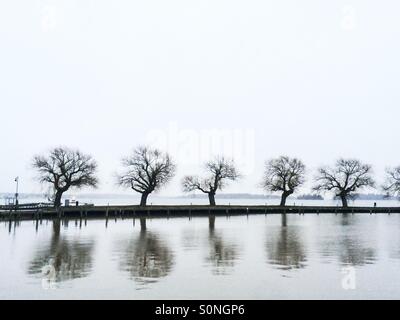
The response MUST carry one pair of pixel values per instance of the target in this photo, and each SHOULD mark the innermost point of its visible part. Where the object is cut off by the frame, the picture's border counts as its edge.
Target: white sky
(312, 79)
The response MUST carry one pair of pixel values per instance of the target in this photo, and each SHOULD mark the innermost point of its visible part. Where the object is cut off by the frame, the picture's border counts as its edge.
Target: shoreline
(166, 211)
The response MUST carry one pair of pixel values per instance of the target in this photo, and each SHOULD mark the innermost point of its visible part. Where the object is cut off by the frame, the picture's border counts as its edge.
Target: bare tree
(392, 184)
(344, 179)
(65, 168)
(220, 171)
(146, 170)
(284, 175)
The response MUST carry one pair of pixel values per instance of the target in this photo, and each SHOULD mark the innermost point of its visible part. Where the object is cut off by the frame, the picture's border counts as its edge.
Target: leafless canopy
(284, 175)
(64, 168)
(392, 184)
(146, 170)
(220, 171)
(344, 179)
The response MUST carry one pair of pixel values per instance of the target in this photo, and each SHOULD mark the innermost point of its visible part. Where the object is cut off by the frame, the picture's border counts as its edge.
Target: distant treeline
(253, 196)
(232, 196)
(310, 197)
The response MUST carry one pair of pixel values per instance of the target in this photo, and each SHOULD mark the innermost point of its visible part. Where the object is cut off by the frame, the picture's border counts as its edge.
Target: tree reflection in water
(352, 252)
(222, 255)
(67, 259)
(146, 258)
(351, 248)
(285, 248)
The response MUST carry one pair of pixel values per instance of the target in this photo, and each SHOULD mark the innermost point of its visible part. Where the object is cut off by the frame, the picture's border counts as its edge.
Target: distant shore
(233, 196)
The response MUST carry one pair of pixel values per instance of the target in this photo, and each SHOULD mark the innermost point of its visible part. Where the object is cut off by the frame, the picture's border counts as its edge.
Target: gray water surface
(256, 257)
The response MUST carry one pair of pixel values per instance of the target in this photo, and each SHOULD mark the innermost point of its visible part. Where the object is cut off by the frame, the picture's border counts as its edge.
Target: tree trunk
(143, 200)
(55, 244)
(211, 198)
(56, 229)
(143, 224)
(57, 199)
(211, 223)
(283, 199)
(344, 200)
(285, 195)
(284, 220)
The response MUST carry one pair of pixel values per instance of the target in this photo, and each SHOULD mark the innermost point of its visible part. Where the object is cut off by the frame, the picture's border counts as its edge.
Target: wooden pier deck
(45, 212)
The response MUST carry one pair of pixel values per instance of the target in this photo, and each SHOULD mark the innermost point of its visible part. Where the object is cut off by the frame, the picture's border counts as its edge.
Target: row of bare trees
(147, 170)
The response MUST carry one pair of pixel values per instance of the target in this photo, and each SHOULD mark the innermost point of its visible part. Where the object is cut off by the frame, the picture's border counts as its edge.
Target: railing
(25, 207)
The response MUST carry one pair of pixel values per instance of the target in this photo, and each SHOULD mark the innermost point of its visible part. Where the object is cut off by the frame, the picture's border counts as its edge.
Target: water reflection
(222, 254)
(146, 257)
(191, 239)
(354, 252)
(285, 248)
(63, 258)
(143, 256)
(348, 244)
(12, 225)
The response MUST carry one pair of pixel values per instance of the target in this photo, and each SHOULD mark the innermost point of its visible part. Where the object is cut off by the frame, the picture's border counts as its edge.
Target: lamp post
(16, 192)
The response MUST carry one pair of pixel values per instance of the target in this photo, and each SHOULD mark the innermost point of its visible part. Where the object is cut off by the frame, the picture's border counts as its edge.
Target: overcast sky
(311, 79)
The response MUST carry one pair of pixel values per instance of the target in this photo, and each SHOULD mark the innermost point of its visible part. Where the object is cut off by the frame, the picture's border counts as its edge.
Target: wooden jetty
(42, 211)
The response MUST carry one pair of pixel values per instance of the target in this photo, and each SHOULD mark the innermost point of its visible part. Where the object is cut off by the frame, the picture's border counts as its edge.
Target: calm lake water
(256, 257)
